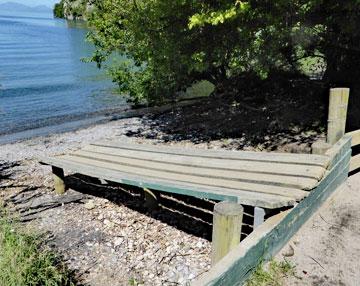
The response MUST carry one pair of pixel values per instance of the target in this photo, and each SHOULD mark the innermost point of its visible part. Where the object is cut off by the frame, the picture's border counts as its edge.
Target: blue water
(43, 83)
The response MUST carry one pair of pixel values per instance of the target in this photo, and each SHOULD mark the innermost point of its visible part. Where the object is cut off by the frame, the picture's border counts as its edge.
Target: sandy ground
(326, 250)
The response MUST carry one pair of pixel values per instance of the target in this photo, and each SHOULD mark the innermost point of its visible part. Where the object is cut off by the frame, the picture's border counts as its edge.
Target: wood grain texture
(301, 159)
(252, 178)
(294, 193)
(199, 191)
(304, 177)
(338, 105)
(227, 222)
(338, 150)
(268, 239)
(257, 167)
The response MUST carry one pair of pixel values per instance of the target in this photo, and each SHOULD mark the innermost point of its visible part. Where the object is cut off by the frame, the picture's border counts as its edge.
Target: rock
(118, 241)
(88, 243)
(288, 252)
(199, 244)
(90, 204)
(109, 223)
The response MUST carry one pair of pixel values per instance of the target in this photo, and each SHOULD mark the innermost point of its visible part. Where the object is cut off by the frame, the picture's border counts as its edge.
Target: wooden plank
(355, 163)
(315, 172)
(338, 150)
(176, 177)
(199, 191)
(355, 135)
(271, 179)
(268, 239)
(300, 159)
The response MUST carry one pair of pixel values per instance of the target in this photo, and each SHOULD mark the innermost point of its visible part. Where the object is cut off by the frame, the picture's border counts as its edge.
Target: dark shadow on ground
(266, 117)
(189, 214)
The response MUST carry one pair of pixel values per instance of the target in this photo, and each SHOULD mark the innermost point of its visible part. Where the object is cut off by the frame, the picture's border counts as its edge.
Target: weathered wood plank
(355, 135)
(315, 172)
(338, 150)
(244, 176)
(301, 159)
(199, 191)
(297, 194)
(355, 163)
(270, 238)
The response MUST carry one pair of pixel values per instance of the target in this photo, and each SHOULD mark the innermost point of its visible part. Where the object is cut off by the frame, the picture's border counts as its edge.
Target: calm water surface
(44, 86)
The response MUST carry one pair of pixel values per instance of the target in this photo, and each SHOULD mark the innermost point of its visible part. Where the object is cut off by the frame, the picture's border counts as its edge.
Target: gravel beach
(103, 233)
(104, 240)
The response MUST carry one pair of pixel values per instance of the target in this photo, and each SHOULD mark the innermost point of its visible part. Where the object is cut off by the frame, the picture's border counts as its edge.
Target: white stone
(118, 241)
(90, 204)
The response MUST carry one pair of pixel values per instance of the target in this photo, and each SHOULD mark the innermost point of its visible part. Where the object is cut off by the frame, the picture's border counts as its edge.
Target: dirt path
(326, 250)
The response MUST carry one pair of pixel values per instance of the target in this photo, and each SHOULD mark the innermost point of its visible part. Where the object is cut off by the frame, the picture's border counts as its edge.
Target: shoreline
(100, 118)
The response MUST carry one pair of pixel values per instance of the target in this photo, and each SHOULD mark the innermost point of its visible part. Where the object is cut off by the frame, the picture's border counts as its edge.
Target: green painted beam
(234, 270)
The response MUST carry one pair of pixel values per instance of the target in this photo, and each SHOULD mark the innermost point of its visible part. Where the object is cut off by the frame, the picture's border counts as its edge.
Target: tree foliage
(72, 9)
(171, 44)
(59, 10)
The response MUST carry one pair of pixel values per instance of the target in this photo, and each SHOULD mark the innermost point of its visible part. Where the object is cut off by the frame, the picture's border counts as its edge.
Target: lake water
(44, 85)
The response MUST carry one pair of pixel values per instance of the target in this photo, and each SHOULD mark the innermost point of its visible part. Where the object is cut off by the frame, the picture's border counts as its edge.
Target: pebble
(118, 241)
(90, 204)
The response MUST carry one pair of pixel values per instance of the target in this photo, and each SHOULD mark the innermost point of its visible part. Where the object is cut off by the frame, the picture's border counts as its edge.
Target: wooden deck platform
(267, 180)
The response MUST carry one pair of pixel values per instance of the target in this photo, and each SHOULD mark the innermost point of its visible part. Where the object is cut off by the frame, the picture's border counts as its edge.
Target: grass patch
(24, 259)
(272, 274)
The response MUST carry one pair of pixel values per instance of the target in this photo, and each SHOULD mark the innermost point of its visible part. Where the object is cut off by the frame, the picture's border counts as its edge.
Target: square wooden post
(227, 223)
(338, 105)
(59, 183)
(259, 216)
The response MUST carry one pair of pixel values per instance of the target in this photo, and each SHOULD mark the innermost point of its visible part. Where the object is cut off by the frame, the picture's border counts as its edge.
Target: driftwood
(13, 197)
(30, 211)
(51, 202)
(30, 201)
(5, 167)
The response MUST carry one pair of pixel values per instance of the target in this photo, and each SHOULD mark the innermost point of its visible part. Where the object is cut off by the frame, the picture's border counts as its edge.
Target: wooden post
(151, 200)
(320, 147)
(227, 222)
(58, 175)
(259, 216)
(338, 104)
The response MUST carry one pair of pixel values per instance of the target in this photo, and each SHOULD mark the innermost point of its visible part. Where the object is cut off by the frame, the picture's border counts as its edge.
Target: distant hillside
(17, 7)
